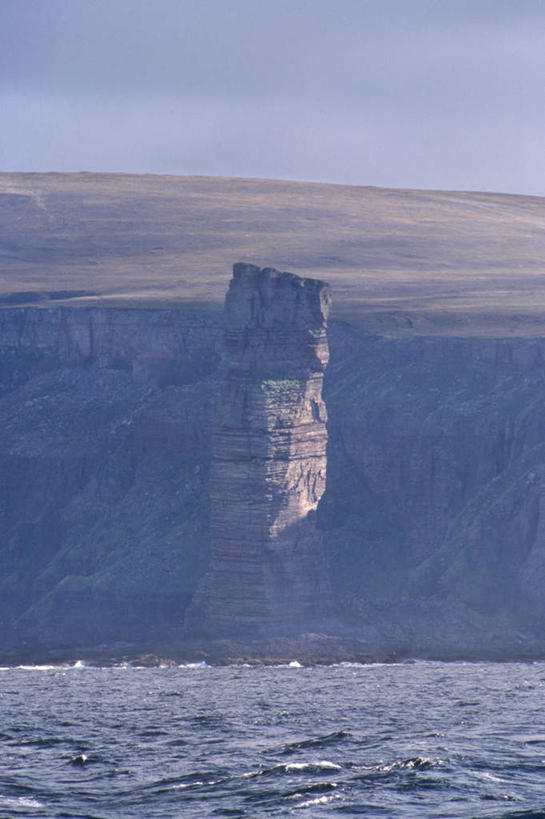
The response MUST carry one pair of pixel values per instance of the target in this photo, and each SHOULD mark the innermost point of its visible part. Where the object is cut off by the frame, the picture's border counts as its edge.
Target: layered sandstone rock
(267, 568)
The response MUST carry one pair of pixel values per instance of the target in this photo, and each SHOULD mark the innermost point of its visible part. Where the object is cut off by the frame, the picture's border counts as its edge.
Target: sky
(444, 94)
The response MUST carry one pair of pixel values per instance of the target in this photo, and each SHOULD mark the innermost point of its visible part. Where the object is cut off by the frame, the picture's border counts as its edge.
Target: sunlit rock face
(267, 568)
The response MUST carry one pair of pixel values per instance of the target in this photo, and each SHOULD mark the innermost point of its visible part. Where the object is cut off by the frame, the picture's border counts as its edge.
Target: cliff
(117, 392)
(434, 513)
(267, 569)
(432, 520)
(106, 419)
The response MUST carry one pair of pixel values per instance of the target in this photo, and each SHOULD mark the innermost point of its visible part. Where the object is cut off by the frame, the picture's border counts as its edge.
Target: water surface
(411, 740)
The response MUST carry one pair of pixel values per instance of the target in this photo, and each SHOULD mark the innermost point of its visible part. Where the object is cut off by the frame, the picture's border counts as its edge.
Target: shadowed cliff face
(434, 514)
(105, 419)
(267, 569)
(433, 520)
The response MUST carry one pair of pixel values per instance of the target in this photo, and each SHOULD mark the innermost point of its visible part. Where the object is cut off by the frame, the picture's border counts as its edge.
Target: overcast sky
(402, 93)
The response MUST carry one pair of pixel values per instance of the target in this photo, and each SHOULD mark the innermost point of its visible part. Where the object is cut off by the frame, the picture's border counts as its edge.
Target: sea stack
(267, 570)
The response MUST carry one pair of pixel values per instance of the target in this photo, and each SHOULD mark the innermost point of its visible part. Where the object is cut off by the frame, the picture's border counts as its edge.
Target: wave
(77, 665)
(20, 802)
(79, 761)
(318, 787)
(309, 767)
(45, 742)
(313, 767)
(320, 800)
(190, 666)
(316, 742)
(417, 763)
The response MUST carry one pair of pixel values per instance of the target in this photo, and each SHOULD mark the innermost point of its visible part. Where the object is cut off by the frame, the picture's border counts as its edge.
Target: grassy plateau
(400, 262)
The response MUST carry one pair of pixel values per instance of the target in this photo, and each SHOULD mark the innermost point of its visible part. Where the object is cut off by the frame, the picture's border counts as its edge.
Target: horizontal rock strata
(267, 568)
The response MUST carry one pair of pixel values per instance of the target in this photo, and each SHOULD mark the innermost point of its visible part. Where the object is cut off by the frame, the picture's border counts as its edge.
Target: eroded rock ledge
(267, 570)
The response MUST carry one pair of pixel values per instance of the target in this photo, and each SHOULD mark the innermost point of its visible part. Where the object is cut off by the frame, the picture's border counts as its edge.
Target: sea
(418, 739)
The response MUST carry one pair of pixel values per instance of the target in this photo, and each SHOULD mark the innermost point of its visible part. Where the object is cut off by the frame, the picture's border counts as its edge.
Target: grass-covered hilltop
(112, 355)
(400, 261)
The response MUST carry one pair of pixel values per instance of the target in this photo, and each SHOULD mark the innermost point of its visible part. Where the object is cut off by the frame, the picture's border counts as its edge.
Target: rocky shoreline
(305, 649)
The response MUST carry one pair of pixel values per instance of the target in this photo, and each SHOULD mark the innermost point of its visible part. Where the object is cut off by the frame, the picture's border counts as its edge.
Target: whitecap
(295, 664)
(20, 802)
(250, 774)
(202, 664)
(414, 763)
(322, 764)
(319, 800)
(182, 785)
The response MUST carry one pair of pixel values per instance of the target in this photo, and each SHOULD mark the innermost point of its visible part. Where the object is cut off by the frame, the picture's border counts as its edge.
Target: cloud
(423, 94)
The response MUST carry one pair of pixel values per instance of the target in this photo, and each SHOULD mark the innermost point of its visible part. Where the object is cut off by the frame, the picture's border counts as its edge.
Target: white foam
(320, 800)
(322, 764)
(202, 664)
(490, 777)
(182, 785)
(418, 763)
(20, 802)
(295, 664)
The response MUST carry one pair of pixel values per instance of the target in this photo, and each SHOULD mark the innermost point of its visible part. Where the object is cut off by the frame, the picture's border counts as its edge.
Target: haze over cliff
(432, 517)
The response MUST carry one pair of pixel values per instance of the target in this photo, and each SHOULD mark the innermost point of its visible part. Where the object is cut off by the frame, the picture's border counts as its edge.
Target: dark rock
(433, 520)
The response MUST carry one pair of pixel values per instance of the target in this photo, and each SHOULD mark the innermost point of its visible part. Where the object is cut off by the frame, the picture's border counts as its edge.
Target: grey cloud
(422, 93)
(244, 46)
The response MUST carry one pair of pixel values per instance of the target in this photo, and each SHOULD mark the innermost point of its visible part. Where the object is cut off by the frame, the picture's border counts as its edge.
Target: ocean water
(418, 739)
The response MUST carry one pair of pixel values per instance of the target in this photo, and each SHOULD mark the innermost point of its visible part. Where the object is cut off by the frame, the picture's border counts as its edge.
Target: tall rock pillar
(267, 570)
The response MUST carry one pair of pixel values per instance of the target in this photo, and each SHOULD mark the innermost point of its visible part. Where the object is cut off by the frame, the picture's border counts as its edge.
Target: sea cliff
(432, 519)
(267, 568)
